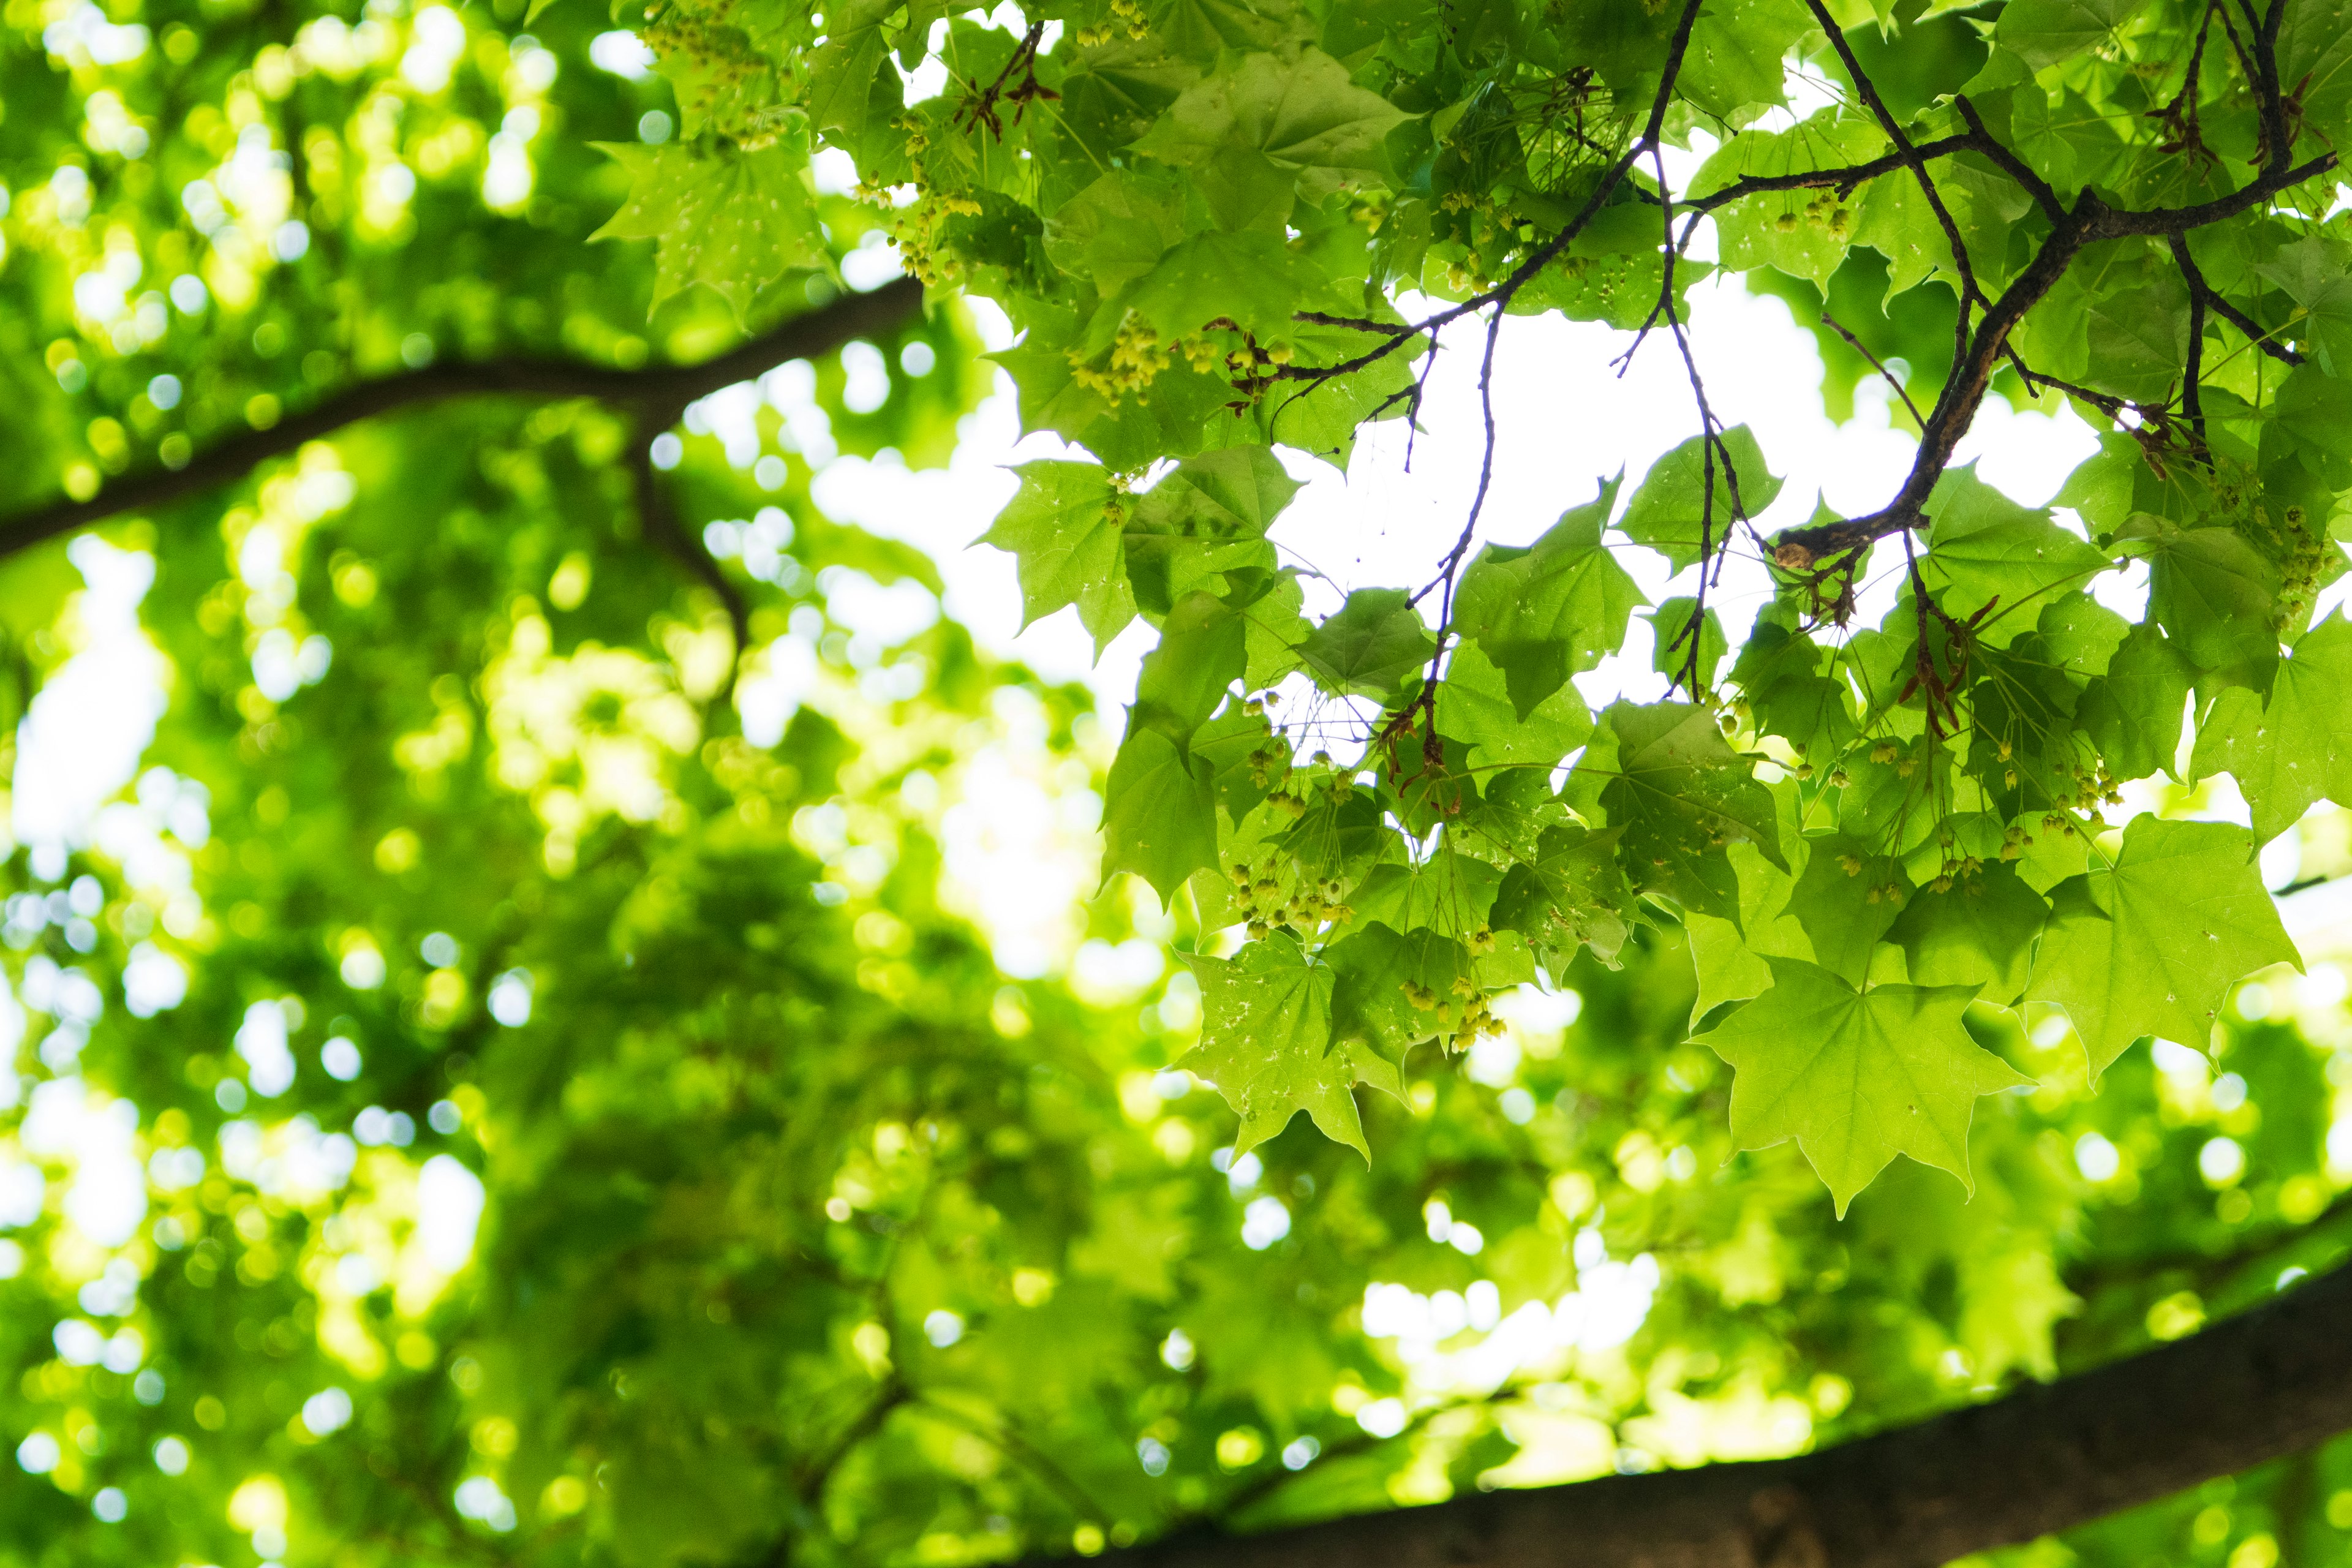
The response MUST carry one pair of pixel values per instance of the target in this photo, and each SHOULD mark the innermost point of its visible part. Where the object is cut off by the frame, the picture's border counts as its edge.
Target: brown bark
(662, 391)
(2273, 1380)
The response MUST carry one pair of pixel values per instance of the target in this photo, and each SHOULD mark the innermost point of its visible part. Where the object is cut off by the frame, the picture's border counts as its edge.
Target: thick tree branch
(660, 392)
(2275, 1381)
(2091, 221)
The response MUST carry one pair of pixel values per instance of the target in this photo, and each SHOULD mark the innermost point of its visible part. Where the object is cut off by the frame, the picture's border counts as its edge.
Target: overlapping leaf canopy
(805, 1231)
(1224, 228)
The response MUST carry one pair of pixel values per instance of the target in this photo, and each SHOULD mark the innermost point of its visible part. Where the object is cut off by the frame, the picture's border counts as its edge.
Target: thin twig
(1864, 350)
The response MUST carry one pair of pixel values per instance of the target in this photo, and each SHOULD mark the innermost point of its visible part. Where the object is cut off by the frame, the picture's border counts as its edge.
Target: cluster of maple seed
(1138, 357)
(1258, 894)
(917, 228)
(1823, 211)
(1128, 14)
(1477, 1015)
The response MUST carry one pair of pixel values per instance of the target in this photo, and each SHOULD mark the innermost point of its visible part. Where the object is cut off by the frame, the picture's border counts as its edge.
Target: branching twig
(1863, 349)
(1971, 294)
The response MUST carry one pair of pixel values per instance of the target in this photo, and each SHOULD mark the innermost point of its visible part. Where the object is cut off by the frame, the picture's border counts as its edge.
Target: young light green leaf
(1209, 515)
(1984, 550)
(2134, 712)
(2152, 944)
(1681, 794)
(1799, 231)
(1570, 893)
(730, 220)
(1370, 645)
(1856, 1076)
(1266, 1043)
(2043, 32)
(1394, 991)
(1474, 707)
(2316, 273)
(2288, 753)
(1160, 814)
(1979, 932)
(2211, 592)
(1199, 658)
(1845, 898)
(1677, 512)
(1672, 639)
(1298, 108)
(1064, 528)
(1547, 612)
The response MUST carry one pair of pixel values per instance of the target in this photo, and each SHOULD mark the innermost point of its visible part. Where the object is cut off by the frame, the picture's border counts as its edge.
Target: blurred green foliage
(483, 1093)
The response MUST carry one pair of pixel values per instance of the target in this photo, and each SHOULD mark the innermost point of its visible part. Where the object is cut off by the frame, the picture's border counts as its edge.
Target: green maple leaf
(1370, 645)
(1681, 794)
(1667, 512)
(1267, 1043)
(1986, 550)
(1896, 222)
(2134, 712)
(1856, 1076)
(1297, 108)
(1546, 612)
(1064, 528)
(1450, 892)
(1670, 639)
(2136, 340)
(1253, 280)
(2211, 592)
(2287, 753)
(1980, 932)
(1570, 892)
(1209, 515)
(1159, 811)
(728, 219)
(1776, 228)
(2317, 275)
(1474, 707)
(2151, 944)
(1845, 900)
(1372, 1011)
(2043, 32)
(1118, 228)
(1200, 657)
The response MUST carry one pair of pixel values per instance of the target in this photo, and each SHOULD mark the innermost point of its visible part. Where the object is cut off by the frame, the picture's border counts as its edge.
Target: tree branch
(1842, 180)
(661, 391)
(2091, 221)
(2273, 1380)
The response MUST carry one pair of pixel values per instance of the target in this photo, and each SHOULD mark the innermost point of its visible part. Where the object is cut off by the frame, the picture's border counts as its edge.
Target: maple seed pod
(1853, 864)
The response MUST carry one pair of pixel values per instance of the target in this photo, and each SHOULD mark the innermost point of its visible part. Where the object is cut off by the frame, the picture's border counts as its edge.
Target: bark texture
(2271, 1382)
(661, 391)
